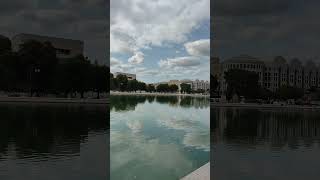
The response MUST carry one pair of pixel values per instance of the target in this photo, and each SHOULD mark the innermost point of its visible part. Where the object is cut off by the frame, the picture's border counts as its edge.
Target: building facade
(195, 85)
(129, 76)
(274, 74)
(65, 48)
(200, 85)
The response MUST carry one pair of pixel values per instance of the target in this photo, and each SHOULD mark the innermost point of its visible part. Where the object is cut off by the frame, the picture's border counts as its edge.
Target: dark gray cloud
(266, 29)
(85, 20)
(250, 7)
(7, 7)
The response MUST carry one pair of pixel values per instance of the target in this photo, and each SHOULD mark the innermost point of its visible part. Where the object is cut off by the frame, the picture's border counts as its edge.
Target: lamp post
(33, 70)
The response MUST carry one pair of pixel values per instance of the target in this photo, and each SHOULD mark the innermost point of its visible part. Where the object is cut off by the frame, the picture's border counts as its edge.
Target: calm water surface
(158, 138)
(264, 144)
(53, 142)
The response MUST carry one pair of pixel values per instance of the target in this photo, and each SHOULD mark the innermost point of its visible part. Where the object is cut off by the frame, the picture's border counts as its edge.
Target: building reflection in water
(274, 125)
(264, 143)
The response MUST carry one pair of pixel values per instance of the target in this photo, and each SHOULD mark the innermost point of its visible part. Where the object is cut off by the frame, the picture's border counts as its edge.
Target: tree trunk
(98, 94)
(66, 94)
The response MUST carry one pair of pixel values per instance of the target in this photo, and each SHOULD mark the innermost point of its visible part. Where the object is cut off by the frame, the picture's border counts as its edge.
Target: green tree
(266, 94)
(163, 88)
(213, 83)
(243, 83)
(123, 82)
(77, 75)
(37, 63)
(133, 85)
(150, 88)
(173, 88)
(9, 71)
(5, 44)
(185, 88)
(112, 82)
(35, 68)
(289, 92)
(141, 86)
(101, 83)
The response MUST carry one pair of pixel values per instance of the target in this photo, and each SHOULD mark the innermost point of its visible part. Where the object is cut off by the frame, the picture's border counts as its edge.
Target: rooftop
(40, 37)
(243, 59)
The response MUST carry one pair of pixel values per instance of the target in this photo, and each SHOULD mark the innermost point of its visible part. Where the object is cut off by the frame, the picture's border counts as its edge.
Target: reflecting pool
(264, 144)
(163, 137)
(51, 141)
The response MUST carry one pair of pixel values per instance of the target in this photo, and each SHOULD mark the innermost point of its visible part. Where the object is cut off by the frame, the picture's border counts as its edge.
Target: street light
(36, 70)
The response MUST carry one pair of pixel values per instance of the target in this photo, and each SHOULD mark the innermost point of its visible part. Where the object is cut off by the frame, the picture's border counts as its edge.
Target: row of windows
(260, 66)
(63, 51)
(245, 66)
(268, 78)
(299, 84)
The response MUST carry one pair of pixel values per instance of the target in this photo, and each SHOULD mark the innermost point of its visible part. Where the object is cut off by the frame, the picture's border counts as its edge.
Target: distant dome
(244, 59)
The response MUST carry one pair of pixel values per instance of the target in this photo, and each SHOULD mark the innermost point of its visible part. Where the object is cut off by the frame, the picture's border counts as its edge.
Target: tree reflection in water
(129, 103)
(49, 131)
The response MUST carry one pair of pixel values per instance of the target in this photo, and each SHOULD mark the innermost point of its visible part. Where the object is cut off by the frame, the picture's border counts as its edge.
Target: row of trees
(121, 83)
(36, 69)
(167, 88)
(246, 84)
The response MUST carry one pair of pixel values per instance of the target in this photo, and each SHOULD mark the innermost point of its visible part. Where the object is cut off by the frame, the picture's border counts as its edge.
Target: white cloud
(120, 66)
(136, 126)
(120, 43)
(137, 58)
(153, 23)
(138, 25)
(198, 140)
(114, 61)
(198, 48)
(147, 72)
(179, 62)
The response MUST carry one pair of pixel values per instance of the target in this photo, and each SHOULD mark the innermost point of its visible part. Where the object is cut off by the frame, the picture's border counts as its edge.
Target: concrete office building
(129, 76)
(273, 74)
(65, 48)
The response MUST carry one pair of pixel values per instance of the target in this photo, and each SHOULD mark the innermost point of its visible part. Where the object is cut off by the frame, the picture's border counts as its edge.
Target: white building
(65, 48)
(275, 73)
(200, 85)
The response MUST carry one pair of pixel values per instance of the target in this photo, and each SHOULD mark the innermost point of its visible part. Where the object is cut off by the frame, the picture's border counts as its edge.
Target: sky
(160, 40)
(85, 20)
(266, 29)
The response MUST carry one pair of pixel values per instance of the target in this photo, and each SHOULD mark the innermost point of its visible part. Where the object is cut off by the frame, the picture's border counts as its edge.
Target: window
(62, 51)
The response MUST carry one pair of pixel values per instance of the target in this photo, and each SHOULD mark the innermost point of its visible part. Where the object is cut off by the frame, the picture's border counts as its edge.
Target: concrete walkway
(102, 101)
(254, 105)
(203, 173)
(157, 94)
